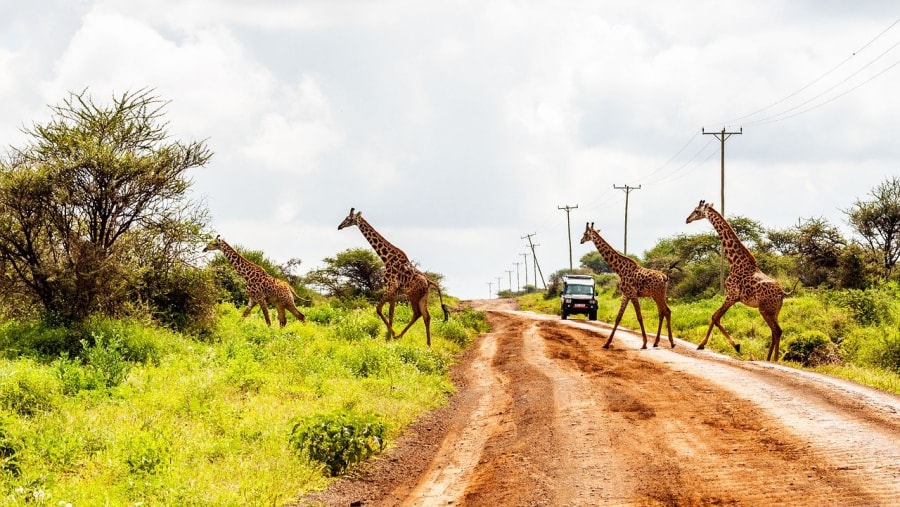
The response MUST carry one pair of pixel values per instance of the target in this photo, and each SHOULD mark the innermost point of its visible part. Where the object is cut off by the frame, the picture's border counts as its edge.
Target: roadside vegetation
(842, 318)
(127, 375)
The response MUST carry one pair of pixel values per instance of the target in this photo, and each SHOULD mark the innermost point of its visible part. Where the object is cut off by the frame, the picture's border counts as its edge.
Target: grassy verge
(151, 417)
(859, 328)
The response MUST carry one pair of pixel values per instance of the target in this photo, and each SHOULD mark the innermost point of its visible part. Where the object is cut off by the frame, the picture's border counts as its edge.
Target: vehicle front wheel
(564, 315)
(592, 315)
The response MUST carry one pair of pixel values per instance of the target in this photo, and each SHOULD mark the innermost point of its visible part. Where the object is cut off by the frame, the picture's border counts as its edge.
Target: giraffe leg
(295, 312)
(618, 319)
(282, 320)
(771, 319)
(417, 312)
(265, 309)
(388, 296)
(250, 305)
(664, 313)
(669, 324)
(715, 322)
(637, 309)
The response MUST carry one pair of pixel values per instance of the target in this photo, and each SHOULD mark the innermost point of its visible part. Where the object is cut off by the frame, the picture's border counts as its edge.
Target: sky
(459, 128)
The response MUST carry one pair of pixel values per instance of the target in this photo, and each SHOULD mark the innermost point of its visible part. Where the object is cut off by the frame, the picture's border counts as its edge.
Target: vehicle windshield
(579, 289)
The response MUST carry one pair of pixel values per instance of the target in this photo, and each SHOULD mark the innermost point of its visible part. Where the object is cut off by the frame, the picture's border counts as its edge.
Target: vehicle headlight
(568, 301)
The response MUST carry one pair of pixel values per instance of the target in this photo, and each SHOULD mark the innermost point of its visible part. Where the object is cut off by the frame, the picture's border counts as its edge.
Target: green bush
(9, 451)
(366, 361)
(338, 441)
(105, 357)
(357, 325)
(452, 331)
(887, 351)
(26, 388)
(812, 348)
(147, 452)
(322, 314)
(424, 360)
(870, 307)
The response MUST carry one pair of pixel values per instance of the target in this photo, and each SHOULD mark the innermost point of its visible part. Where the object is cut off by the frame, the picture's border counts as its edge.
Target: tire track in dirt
(545, 416)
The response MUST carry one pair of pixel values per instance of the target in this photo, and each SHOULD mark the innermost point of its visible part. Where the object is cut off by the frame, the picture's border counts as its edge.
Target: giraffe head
(352, 219)
(215, 244)
(700, 212)
(588, 232)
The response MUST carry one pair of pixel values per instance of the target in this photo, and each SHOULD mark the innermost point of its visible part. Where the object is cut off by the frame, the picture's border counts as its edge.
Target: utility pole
(537, 267)
(526, 267)
(518, 287)
(722, 137)
(498, 286)
(567, 209)
(509, 272)
(490, 290)
(627, 190)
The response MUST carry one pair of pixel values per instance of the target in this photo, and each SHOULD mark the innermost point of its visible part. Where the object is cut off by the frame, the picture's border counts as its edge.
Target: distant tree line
(96, 218)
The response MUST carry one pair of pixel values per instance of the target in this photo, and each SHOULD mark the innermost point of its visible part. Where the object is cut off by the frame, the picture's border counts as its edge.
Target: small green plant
(105, 357)
(338, 441)
(147, 452)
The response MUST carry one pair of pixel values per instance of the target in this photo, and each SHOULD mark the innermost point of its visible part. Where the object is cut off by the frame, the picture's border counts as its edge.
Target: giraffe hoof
(606, 346)
(701, 347)
(738, 348)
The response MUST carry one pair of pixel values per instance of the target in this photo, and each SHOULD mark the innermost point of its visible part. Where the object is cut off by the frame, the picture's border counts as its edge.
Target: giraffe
(262, 288)
(400, 276)
(634, 281)
(745, 282)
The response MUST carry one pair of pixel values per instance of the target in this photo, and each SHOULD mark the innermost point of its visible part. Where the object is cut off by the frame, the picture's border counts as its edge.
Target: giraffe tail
(441, 297)
(790, 292)
(305, 300)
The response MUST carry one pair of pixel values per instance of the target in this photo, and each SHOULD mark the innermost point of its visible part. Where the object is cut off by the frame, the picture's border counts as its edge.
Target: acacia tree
(355, 272)
(877, 221)
(95, 192)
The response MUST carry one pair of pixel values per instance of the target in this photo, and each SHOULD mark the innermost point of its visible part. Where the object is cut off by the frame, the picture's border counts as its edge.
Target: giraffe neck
(738, 255)
(389, 253)
(244, 267)
(617, 262)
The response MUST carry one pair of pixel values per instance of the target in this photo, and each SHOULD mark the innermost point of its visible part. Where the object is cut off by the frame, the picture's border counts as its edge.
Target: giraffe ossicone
(262, 288)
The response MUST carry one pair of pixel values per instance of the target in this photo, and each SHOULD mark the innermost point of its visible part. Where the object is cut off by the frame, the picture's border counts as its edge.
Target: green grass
(863, 325)
(207, 422)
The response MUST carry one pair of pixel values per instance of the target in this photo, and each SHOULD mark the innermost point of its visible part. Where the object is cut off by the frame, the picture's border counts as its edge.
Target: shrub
(9, 450)
(426, 361)
(27, 389)
(453, 331)
(366, 361)
(812, 348)
(322, 314)
(106, 359)
(357, 325)
(869, 307)
(338, 441)
(147, 452)
(887, 351)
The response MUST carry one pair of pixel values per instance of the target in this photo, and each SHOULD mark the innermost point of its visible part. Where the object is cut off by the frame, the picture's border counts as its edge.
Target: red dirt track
(544, 416)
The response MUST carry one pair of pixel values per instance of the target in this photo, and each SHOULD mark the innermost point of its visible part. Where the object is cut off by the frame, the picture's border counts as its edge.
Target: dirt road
(545, 416)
